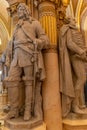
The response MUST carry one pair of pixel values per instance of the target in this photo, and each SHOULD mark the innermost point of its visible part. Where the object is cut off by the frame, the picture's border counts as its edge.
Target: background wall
(5, 28)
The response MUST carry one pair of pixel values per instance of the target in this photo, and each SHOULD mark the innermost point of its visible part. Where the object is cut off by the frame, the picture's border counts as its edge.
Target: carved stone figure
(27, 64)
(5, 60)
(3, 67)
(72, 54)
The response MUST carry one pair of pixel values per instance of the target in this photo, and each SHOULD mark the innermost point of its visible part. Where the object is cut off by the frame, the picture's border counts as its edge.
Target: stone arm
(41, 38)
(71, 45)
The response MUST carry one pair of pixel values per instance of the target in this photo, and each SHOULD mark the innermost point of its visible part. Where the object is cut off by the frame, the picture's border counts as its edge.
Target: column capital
(53, 1)
(12, 9)
(46, 8)
(37, 2)
(12, 2)
(64, 2)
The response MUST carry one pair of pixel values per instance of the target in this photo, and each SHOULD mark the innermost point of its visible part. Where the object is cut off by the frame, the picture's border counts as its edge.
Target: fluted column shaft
(47, 18)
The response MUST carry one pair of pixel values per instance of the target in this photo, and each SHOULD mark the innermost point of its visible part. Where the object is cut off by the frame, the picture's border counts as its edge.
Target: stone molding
(51, 49)
(46, 8)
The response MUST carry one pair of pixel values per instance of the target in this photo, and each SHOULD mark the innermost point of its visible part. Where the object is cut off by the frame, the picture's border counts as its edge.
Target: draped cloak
(66, 81)
(69, 45)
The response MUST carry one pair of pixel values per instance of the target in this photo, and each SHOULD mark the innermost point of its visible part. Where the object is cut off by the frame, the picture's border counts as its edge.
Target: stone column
(50, 89)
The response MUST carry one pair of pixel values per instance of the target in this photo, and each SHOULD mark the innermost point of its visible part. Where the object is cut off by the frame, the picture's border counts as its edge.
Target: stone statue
(27, 64)
(5, 61)
(72, 54)
(3, 67)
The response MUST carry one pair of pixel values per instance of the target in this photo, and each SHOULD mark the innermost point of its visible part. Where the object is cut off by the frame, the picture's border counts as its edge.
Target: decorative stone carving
(72, 54)
(27, 65)
(44, 10)
(12, 9)
(61, 12)
(51, 49)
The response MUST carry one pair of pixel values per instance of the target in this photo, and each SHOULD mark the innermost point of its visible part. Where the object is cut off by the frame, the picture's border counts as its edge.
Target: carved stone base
(79, 124)
(20, 124)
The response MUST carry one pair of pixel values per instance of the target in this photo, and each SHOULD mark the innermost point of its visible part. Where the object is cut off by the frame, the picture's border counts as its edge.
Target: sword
(35, 75)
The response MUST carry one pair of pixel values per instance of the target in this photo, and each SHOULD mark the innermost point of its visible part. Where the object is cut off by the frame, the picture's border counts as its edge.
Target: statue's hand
(84, 56)
(39, 43)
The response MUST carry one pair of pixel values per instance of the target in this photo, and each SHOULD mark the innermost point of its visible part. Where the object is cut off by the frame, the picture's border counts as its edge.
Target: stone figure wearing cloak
(72, 54)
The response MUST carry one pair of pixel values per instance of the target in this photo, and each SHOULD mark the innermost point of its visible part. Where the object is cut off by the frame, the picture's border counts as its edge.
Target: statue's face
(20, 13)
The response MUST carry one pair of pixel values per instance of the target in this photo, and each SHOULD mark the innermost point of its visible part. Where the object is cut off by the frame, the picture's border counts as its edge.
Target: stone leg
(21, 97)
(12, 83)
(79, 70)
(28, 81)
(82, 99)
(13, 93)
(28, 102)
(38, 102)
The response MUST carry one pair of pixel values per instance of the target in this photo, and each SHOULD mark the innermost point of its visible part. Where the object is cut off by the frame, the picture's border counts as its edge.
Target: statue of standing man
(72, 54)
(27, 64)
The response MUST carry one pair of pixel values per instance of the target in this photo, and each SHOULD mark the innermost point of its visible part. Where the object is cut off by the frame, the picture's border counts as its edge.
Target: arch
(5, 24)
(83, 17)
(4, 37)
(69, 10)
(77, 14)
(83, 24)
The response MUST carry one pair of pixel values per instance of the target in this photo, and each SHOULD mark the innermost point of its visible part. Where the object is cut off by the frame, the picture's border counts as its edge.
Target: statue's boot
(38, 103)
(82, 99)
(28, 101)
(38, 111)
(13, 97)
(12, 114)
(78, 110)
(76, 105)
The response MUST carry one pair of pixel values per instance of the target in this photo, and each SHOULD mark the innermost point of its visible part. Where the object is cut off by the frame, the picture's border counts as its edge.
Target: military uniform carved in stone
(72, 54)
(27, 64)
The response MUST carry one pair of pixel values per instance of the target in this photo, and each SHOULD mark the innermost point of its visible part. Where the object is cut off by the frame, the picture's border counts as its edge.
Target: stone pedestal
(20, 124)
(75, 124)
